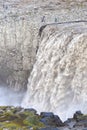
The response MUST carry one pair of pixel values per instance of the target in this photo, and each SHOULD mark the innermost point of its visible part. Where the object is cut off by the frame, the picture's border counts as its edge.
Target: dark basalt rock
(12, 118)
(46, 114)
(49, 128)
(70, 122)
(81, 120)
(81, 123)
(49, 119)
(77, 115)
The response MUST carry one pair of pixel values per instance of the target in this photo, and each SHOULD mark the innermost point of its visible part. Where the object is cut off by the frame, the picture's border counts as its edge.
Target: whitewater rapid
(58, 81)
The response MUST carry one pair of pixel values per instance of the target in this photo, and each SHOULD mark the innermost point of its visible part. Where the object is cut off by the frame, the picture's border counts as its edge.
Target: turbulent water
(58, 82)
(9, 97)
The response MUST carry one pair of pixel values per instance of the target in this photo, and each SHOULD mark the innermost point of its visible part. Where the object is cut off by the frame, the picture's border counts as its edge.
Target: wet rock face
(17, 53)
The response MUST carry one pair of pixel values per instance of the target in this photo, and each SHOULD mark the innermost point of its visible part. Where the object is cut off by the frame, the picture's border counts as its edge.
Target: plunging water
(58, 82)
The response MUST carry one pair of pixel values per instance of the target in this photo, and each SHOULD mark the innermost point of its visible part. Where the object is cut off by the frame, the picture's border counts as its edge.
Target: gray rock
(49, 128)
(49, 119)
(77, 115)
(46, 114)
(18, 43)
(70, 122)
(81, 123)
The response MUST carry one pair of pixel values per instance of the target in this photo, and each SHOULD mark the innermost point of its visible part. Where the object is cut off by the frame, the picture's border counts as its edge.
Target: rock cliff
(19, 27)
(17, 52)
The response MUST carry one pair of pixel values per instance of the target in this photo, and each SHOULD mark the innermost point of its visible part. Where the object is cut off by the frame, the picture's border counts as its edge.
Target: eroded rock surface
(17, 52)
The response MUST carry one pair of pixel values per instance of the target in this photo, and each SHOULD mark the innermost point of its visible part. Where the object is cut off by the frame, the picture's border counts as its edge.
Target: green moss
(33, 121)
(82, 117)
(12, 119)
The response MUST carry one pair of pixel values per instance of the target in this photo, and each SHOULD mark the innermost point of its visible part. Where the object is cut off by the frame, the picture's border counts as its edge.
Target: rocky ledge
(17, 118)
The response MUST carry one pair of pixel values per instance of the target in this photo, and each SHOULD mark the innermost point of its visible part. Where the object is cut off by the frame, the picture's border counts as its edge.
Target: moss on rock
(12, 118)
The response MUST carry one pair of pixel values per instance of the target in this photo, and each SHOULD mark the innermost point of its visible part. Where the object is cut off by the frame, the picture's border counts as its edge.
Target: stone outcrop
(24, 119)
(51, 120)
(27, 119)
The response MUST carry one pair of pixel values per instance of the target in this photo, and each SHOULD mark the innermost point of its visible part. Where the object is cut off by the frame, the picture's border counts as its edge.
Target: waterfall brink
(58, 81)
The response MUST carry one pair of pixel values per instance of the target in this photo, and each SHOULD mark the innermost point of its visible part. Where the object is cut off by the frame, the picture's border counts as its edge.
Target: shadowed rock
(49, 119)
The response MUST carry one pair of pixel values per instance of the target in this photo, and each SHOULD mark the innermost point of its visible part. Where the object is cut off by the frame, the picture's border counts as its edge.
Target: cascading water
(58, 81)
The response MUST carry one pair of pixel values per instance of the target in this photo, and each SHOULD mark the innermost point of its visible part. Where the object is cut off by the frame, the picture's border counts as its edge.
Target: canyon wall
(20, 22)
(18, 45)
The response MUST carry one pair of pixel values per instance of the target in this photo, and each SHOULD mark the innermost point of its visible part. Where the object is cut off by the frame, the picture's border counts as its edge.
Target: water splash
(9, 97)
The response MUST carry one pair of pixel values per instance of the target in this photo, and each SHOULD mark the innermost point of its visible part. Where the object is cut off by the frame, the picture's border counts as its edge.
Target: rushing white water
(58, 82)
(9, 97)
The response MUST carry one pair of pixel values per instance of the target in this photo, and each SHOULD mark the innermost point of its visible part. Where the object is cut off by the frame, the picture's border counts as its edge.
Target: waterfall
(58, 81)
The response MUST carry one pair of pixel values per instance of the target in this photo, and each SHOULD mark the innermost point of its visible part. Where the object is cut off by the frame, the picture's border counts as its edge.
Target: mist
(9, 97)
